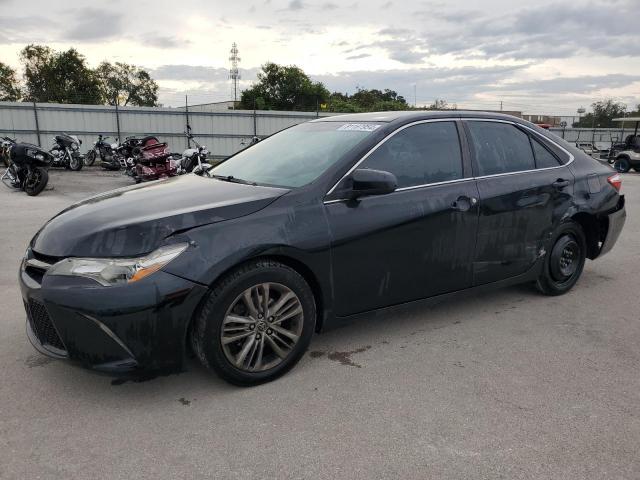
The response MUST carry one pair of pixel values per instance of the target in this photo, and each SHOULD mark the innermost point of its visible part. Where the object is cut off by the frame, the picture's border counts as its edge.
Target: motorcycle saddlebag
(154, 152)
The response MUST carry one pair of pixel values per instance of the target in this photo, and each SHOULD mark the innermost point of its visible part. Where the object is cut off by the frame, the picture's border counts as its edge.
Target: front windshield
(296, 156)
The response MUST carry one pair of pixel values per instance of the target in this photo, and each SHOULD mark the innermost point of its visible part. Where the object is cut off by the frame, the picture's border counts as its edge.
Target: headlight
(117, 271)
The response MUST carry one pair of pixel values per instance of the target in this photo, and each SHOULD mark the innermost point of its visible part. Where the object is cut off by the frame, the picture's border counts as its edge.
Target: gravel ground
(509, 385)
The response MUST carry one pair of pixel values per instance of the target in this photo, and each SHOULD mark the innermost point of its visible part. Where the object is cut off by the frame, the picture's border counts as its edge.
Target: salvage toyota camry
(320, 223)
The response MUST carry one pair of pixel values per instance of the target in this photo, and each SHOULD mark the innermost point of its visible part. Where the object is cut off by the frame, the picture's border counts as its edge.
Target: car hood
(135, 220)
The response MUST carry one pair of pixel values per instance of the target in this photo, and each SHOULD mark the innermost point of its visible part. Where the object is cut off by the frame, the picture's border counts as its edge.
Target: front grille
(42, 325)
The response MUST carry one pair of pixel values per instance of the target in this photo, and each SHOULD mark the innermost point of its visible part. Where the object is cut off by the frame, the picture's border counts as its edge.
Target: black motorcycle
(27, 169)
(5, 147)
(194, 160)
(104, 151)
(66, 152)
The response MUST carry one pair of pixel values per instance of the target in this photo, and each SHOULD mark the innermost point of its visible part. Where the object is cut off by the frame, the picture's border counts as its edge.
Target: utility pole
(415, 95)
(500, 105)
(234, 73)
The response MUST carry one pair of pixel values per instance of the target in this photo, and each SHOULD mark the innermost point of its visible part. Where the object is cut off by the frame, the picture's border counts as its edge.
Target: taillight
(615, 181)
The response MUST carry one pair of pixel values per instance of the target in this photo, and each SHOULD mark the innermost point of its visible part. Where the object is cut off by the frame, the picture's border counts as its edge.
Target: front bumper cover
(139, 327)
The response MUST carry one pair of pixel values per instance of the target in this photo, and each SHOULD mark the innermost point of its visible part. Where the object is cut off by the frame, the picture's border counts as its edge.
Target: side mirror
(368, 182)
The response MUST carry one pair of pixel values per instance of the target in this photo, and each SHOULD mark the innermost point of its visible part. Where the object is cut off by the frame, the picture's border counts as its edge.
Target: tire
(637, 168)
(90, 158)
(33, 187)
(565, 261)
(622, 164)
(75, 163)
(226, 300)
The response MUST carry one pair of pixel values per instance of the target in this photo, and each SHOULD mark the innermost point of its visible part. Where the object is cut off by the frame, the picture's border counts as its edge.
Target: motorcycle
(106, 152)
(5, 147)
(194, 160)
(152, 160)
(28, 168)
(66, 152)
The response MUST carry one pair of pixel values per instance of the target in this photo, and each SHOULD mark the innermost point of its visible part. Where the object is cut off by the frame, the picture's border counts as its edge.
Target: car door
(524, 190)
(415, 242)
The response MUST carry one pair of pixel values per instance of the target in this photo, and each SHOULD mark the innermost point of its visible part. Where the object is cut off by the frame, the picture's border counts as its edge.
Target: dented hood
(135, 220)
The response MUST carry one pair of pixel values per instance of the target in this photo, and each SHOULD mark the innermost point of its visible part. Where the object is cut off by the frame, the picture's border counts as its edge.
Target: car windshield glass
(296, 156)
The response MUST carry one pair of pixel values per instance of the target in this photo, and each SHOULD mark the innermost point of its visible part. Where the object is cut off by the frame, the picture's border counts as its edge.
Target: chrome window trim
(453, 119)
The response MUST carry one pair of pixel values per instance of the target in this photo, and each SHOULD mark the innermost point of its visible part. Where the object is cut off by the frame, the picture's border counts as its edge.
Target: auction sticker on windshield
(359, 127)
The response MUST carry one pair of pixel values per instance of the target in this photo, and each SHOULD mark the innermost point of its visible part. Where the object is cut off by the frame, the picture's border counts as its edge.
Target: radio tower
(234, 74)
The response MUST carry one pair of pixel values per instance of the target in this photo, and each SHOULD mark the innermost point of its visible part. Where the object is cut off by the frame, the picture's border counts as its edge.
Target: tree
(284, 88)
(60, 77)
(9, 87)
(441, 104)
(602, 114)
(126, 84)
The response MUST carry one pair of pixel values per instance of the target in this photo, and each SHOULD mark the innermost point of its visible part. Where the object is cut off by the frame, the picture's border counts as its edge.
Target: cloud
(357, 57)
(163, 41)
(91, 24)
(295, 5)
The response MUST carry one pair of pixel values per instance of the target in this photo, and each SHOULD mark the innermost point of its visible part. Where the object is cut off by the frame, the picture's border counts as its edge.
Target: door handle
(463, 203)
(560, 183)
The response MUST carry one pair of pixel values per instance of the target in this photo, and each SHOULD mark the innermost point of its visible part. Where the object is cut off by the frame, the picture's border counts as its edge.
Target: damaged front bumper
(139, 327)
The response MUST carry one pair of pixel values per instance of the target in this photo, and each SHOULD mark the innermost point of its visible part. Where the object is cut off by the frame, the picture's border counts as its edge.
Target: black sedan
(316, 225)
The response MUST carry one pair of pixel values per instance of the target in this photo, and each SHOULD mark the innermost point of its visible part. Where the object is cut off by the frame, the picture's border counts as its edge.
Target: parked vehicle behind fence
(319, 224)
(66, 152)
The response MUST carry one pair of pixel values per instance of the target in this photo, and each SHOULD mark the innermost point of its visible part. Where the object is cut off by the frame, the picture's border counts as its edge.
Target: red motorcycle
(153, 160)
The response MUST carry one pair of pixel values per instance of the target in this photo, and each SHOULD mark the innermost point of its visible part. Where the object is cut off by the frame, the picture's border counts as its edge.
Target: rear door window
(500, 148)
(544, 158)
(421, 154)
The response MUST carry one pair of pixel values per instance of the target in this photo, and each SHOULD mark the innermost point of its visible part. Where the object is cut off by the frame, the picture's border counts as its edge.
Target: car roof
(412, 116)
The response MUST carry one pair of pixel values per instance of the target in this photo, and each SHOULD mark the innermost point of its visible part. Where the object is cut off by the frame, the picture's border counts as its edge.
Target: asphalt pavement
(510, 384)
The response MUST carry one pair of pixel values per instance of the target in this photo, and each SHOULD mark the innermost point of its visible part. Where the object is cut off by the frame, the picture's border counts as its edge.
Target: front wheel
(36, 180)
(622, 165)
(90, 158)
(256, 324)
(564, 263)
(75, 163)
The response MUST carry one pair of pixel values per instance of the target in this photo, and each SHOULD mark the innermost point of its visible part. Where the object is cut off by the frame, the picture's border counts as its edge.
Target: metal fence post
(186, 113)
(255, 119)
(117, 120)
(35, 116)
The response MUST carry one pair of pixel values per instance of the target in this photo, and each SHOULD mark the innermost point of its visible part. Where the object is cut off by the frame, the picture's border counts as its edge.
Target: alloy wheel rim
(261, 327)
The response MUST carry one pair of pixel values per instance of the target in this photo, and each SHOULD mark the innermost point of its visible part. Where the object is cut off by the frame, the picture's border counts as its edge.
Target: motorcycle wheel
(36, 181)
(75, 163)
(90, 158)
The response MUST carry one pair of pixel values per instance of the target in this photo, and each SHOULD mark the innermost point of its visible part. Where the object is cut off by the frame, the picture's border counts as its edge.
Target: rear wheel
(565, 262)
(622, 164)
(256, 324)
(90, 158)
(36, 181)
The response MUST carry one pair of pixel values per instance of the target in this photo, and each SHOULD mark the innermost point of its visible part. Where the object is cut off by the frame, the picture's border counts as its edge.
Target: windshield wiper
(232, 179)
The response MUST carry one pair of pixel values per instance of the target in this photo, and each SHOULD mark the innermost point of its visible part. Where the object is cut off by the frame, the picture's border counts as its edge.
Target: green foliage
(441, 104)
(367, 101)
(602, 114)
(9, 86)
(126, 84)
(284, 88)
(59, 77)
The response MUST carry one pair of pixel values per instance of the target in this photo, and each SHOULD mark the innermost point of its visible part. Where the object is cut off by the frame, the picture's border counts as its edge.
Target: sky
(537, 56)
